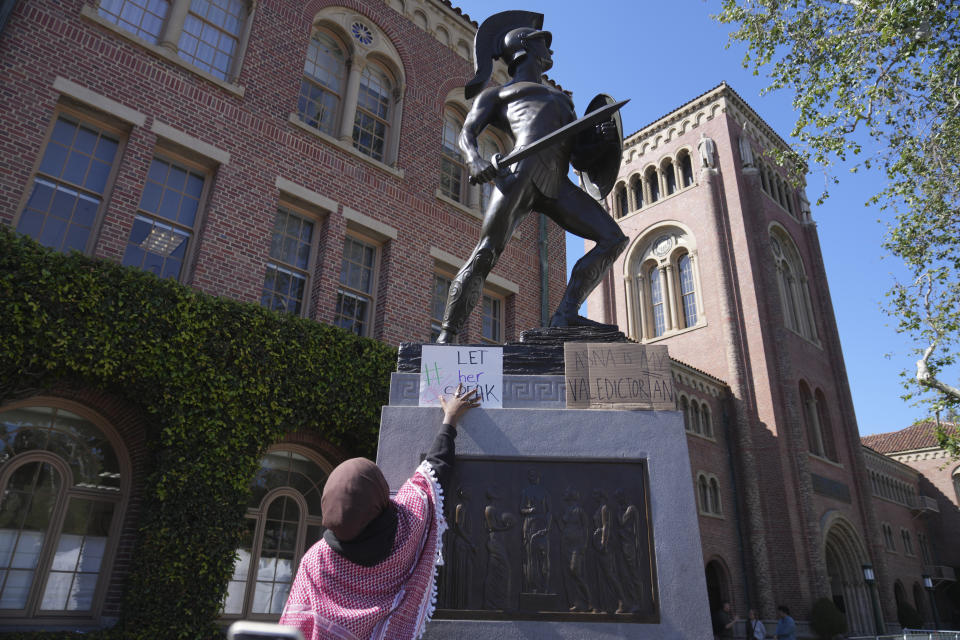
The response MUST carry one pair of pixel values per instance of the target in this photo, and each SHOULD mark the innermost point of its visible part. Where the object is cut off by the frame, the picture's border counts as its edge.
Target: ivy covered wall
(219, 381)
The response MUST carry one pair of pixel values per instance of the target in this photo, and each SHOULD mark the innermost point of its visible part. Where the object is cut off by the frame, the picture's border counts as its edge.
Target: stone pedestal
(564, 523)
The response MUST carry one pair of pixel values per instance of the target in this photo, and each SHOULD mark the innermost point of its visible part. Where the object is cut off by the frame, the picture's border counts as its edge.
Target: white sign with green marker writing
(443, 367)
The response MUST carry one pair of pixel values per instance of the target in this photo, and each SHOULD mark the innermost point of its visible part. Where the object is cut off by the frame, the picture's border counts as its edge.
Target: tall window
(69, 185)
(621, 203)
(705, 419)
(825, 425)
(687, 291)
(715, 506)
(142, 18)
(288, 273)
(60, 493)
(653, 184)
(669, 176)
(438, 304)
(452, 168)
(355, 295)
(686, 168)
(656, 301)
(695, 416)
(888, 542)
(283, 520)
(163, 227)
(685, 408)
(492, 320)
(211, 34)
(637, 186)
(907, 542)
(322, 85)
(924, 548)
(372, 120)
(708, 490)
(792, 281)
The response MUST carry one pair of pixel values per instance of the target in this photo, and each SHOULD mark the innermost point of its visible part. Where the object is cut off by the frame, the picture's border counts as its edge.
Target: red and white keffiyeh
(334, 598)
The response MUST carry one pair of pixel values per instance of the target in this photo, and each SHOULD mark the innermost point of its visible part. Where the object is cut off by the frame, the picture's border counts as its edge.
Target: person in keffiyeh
(372, 575)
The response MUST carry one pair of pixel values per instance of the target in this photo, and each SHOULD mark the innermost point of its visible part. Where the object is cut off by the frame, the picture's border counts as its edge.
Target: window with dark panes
(670, 177)
(492, 320)
(372, 120)
(653, 184)
(54, 527)
(286, 282)
(438, 304)
(656, 302)
(69, 186)
(322, 86)
(163, 227)
(211, 34)
(688, 294)
(355, 294)
(283, 521)
(452, 168)
(142, 18)
(637, 186)
(686, 169)
(622, 204)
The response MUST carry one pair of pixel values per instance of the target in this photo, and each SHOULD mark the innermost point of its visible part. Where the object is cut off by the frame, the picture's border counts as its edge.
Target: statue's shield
(598, 180)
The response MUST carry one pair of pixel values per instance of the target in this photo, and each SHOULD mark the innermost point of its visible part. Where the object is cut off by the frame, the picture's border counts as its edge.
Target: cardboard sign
(442, 368)
(617, 376)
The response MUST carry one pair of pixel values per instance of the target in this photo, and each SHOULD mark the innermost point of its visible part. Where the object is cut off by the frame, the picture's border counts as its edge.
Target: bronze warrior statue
(531, 110)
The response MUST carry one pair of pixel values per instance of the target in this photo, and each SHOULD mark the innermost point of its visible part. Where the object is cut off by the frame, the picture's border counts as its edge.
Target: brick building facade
(724, 266)
(293, 154)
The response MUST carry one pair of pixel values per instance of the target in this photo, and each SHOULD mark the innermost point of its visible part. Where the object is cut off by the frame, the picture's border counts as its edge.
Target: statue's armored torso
(532, 110)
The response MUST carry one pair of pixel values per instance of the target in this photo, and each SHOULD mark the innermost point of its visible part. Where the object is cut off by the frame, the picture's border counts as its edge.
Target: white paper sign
(442, 367)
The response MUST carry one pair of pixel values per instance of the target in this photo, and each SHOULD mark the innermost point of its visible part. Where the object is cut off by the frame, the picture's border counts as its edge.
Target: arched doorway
(718, 584)
(845, 556)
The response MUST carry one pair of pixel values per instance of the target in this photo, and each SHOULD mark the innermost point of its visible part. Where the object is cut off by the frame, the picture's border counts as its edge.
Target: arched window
(372, 122)
(705, 419)
(825, 425)
(792, 282)
(656, 301)
(686, 168)
(63, 489)
(809, 410)
(704, 492)
(695, 417)
(621, 206)
(452, 167)
(662, 283)
(688, 294)
(685, 408)
(669, 176)
(636, 186)
(715, 497)
(352, 85)
(764, 179)
(283, 520)
(321, 89)
(652, 182)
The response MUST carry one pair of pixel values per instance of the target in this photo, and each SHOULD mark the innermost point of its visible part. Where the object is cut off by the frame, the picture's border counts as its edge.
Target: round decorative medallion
(662, 246)
(775, 246)
(361, 33)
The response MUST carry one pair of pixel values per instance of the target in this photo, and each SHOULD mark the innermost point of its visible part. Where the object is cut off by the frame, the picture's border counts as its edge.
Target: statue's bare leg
(580, 214)
(503, 214)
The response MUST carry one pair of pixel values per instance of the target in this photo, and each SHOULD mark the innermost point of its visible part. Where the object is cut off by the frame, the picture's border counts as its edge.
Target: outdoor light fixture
(868, 575)
(927, 582)
(928, 585)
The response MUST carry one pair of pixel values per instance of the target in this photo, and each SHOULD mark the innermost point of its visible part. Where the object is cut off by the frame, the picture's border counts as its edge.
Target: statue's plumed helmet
(514, 46)
(503, 36)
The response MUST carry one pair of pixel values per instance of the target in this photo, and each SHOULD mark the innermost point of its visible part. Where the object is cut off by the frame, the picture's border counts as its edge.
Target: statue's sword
(564, 132)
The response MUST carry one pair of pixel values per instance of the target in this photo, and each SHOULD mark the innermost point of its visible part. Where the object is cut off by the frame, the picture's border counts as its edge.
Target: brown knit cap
(355, 493)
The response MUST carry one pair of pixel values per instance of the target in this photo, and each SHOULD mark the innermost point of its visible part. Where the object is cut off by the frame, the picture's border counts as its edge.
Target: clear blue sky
(662, 54)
